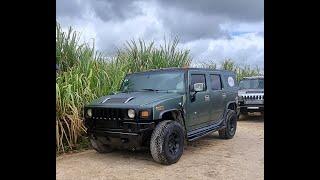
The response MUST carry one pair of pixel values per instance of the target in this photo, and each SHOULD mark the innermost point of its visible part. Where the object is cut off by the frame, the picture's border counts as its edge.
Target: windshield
(251, 84)
(158, 81)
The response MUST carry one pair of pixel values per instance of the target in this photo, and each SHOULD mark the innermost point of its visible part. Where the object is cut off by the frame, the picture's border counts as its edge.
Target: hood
(133, 98)
(250, 91)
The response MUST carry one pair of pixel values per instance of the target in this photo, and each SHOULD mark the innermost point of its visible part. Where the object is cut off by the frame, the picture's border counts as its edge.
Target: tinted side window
(215, 82)
(198, 78)
(261, 84)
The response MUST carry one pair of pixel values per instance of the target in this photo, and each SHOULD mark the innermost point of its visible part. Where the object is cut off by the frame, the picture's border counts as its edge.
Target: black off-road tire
(167, 141)
(100, 147)
(231, 125)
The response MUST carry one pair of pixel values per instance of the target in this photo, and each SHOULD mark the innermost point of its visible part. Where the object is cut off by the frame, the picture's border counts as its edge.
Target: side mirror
(198, 87)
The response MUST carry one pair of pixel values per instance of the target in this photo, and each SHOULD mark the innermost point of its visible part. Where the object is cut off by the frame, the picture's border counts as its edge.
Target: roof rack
(254, 77)
(180, 69)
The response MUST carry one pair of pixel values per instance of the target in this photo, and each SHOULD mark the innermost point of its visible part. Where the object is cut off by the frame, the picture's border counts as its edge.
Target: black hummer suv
(162, 109)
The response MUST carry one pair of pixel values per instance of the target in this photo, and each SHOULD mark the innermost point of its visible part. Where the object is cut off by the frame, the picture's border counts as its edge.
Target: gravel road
(207, 158)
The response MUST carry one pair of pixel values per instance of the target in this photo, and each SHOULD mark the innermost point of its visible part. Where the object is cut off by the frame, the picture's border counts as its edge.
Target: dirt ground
(207, 158)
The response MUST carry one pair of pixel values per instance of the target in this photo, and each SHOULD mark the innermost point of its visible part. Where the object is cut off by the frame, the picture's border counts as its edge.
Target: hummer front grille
(253, 92)
(108, 118)
(253, 97)
(109, 113)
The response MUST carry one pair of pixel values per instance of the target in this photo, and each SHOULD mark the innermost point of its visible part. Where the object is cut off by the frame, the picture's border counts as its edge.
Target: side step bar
(198, 133)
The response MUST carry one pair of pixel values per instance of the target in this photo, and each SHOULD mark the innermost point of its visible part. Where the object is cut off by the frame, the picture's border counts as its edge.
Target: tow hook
(124, 140)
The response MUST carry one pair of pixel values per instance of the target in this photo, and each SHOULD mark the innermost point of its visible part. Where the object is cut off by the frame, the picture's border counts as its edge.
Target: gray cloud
(190, 26)
(70, 8)
(248, 10)
(211, 29)
(115, 10)
(243, 49)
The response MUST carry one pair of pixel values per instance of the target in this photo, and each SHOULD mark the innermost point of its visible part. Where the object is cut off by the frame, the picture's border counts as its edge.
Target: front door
(198, 112)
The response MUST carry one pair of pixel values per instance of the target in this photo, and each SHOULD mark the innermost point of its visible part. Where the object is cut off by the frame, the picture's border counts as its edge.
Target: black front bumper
(130, 135)
(251, 108)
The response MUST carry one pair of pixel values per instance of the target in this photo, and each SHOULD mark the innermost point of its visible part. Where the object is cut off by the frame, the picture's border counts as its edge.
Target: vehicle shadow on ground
(205, 141)
(145, 154)
(137, 154)
(252, 118)
(123, 155)
(209, 140)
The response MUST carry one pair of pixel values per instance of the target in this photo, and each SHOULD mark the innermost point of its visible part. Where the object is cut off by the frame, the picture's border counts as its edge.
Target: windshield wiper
(146, 89)
(141, 90)
(149, 89)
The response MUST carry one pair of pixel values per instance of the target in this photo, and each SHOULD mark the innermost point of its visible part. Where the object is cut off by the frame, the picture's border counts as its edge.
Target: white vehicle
(251, 95)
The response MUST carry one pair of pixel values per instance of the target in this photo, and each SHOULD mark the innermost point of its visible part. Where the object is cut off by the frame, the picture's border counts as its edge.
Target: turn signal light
(144, 114)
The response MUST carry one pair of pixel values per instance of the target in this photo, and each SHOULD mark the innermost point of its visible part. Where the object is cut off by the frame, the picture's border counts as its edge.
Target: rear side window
(215, 82)
(197, 78)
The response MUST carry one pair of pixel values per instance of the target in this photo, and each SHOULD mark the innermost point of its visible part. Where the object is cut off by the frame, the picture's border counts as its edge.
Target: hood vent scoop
(129, 99)
(105, 100)
(117, 100)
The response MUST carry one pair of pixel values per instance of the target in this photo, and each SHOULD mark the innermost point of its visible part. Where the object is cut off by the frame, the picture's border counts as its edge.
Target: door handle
(206, 97)
(224, 94)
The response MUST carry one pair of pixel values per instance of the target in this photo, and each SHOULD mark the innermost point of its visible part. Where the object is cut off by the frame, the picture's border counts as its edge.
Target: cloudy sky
(212, 29)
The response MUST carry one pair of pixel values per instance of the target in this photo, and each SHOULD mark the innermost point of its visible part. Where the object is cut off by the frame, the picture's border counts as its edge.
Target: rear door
(230, 88)
(217, 97)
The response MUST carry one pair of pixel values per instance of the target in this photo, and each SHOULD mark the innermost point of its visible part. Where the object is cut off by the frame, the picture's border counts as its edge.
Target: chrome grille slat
(108, 113)
(108, 118)
(253, 97)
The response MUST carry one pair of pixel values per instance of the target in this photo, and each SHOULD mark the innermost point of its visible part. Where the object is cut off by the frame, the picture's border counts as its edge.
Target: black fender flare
(226, 108)
(181, 111)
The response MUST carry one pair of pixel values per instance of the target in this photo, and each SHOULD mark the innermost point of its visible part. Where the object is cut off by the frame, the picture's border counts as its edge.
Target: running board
(200, 132)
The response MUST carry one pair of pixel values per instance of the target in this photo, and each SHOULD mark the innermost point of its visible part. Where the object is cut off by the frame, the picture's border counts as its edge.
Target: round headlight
(89, 112)
(131, 113)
